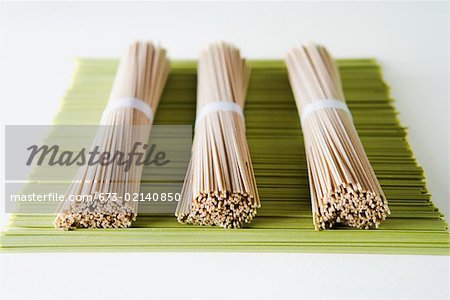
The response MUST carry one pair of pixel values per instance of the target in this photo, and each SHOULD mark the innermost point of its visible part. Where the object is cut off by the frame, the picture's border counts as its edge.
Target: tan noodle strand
(343, 185)
(141, 74)
(220, 188)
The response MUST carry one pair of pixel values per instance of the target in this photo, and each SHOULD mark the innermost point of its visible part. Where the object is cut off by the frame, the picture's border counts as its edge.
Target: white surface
(38, 42)
(224, 276)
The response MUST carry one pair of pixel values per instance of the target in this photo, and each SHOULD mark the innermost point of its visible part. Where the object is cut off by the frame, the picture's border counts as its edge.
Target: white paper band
(130, 102)
(218, 106)
(321, 104)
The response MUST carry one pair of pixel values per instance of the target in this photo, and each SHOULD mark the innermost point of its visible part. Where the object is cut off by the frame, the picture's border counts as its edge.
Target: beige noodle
(220, 188)
(343, 185)
(142, 74)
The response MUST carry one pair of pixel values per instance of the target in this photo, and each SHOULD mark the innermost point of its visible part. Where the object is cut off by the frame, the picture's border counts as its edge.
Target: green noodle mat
(284, 222)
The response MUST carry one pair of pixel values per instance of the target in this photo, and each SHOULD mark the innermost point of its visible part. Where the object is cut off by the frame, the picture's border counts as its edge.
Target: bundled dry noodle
(220, 188)
(343, 185)
(127, 120)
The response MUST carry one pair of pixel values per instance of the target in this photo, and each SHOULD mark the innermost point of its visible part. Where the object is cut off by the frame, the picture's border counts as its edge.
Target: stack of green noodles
(284, 222)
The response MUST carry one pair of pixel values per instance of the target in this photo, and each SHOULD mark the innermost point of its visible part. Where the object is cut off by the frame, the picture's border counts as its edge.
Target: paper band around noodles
(216, 107)
(129, 102)
(322, 104)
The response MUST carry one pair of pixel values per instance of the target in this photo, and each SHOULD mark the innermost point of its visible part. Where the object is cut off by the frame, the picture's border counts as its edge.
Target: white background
(39, 41)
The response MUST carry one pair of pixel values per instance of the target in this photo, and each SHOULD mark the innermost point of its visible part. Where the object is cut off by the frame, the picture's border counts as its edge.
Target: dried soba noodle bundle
(126, 123)
(220, 188)
(343, 185)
